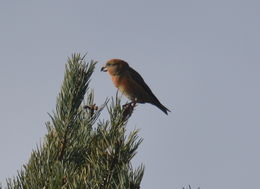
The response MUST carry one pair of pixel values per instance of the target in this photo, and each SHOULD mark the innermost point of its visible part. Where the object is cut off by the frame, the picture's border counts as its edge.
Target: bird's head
(115, 67)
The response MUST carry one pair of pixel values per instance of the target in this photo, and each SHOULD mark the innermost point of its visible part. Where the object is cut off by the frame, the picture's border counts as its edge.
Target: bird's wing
(139, 80)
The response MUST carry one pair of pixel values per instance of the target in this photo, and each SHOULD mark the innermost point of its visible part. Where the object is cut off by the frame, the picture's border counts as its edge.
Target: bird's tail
(162, 107)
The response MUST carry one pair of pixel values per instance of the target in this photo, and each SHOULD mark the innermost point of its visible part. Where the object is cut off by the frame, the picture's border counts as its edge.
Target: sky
(200, 58)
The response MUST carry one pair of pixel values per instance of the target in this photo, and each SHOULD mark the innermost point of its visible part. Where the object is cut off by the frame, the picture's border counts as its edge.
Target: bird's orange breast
(125, 85)
(121, 82)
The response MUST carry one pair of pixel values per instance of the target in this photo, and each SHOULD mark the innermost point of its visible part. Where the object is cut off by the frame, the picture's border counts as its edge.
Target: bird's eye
(108, 64)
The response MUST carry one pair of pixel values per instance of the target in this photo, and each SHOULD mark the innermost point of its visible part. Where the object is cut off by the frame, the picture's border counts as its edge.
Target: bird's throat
(116, 80)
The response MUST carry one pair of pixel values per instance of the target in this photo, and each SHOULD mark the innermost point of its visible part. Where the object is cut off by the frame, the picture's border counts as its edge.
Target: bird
(131, 84)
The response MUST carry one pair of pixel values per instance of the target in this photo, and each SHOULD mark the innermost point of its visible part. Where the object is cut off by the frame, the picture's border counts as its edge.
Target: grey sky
(200, 58)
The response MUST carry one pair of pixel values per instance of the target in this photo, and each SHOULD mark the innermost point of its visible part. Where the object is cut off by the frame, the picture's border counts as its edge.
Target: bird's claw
(128, 109)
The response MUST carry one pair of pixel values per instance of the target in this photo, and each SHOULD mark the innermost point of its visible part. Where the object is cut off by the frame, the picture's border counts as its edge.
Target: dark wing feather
(138, 79)
(153, 100)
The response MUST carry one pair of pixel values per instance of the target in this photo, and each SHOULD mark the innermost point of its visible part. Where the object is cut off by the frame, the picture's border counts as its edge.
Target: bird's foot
(128, 109)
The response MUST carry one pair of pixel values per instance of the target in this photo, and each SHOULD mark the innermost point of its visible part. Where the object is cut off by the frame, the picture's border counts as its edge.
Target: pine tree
(80, 150)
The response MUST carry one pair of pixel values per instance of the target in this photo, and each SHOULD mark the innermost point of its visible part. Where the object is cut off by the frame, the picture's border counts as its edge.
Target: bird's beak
(104, 69)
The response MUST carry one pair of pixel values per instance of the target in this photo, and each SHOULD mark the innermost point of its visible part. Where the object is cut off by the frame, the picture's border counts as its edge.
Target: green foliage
(80, 150)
